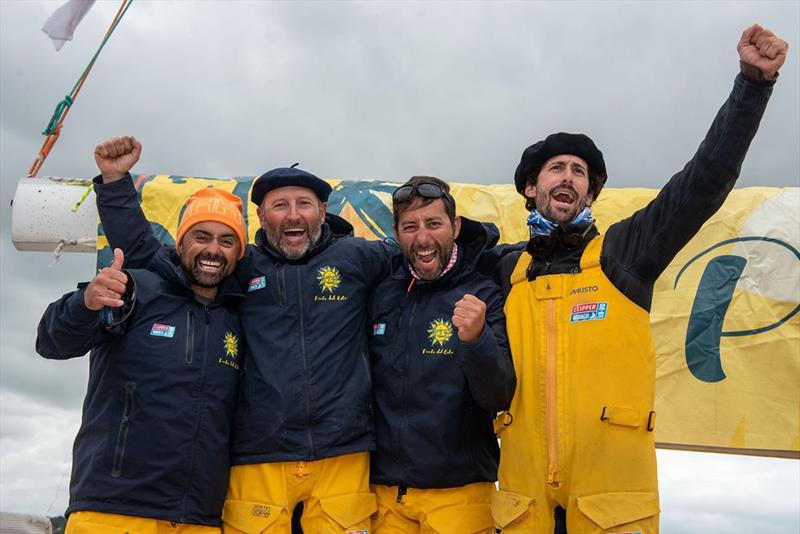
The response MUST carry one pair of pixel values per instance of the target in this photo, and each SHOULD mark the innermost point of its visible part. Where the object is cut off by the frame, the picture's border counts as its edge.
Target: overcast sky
(380, 90)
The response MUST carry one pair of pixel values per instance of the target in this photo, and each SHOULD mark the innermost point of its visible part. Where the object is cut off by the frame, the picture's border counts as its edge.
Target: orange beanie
(214, 205)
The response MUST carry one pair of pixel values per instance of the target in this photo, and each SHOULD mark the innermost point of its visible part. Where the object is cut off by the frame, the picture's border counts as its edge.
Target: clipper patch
(259, 282)
(378, 329)
(590, 311)
(162, 330)
(357, 532)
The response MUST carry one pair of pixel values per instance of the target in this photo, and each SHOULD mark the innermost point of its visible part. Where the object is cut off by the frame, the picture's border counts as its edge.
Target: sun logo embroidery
(329, 279)
(231, 345)
(439, 332)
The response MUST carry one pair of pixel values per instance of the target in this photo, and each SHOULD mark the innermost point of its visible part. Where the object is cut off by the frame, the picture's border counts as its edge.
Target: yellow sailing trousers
(103, 523)
(578, 433)
(461, 510)
(334, 491)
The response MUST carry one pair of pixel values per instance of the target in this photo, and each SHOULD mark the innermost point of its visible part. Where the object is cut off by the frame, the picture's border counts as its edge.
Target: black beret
(560, 143)
(286, 176)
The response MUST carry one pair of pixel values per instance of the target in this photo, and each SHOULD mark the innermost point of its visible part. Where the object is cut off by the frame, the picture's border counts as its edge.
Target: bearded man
(577, 448)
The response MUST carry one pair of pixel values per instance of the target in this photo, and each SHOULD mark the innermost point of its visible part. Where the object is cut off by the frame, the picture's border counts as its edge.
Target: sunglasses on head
(424, 190)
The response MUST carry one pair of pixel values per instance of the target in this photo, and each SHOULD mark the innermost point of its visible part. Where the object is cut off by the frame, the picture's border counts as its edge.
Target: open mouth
(210, 266)
(427, 256)
(294, 234)
(564, 196)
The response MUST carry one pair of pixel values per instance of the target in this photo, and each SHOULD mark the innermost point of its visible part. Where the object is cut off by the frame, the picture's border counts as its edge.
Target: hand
(469, 316)
(762, 49)
(116, 157)
(107, 288)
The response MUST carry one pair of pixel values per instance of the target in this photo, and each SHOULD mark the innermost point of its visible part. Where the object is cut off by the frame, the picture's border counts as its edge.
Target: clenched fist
(762, 49)
(469, 316)
(117, 156)
(108, 287)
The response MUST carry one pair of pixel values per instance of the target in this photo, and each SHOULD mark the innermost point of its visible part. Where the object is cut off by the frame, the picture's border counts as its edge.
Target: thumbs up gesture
(108, 287)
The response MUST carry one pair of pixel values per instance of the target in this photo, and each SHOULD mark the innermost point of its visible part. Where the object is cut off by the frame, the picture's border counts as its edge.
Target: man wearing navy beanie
(305, 424)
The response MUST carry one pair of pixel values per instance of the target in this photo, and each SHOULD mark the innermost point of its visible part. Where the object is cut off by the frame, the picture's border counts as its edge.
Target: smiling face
(292, 219)
(561, 190)
(209, 251)
(426, 236)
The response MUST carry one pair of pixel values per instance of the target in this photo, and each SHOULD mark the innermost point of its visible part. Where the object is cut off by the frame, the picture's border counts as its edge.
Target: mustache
(563, 186)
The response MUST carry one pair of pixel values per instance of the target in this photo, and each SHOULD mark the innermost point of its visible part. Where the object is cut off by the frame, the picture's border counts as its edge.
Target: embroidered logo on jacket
(231, 344)
(439, 332)
(584, 289)
(378, 329)
(259, 282)
(162, 330)
(590, 311)
(329, 280)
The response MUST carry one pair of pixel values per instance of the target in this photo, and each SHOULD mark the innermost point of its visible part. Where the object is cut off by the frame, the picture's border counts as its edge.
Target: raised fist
(762, 49)
(117, 156)
(108, 287)
(469, 316)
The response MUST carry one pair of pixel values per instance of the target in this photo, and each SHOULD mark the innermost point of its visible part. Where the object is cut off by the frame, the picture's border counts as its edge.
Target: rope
(53, 129)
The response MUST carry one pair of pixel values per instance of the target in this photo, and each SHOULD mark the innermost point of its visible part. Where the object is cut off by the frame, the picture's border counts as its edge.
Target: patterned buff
(453, 258)
(542, 226)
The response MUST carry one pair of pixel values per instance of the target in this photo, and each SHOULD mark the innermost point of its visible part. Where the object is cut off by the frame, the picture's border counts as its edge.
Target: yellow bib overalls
(579, 431)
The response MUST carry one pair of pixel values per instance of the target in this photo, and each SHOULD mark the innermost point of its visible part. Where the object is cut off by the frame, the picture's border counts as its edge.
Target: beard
(441, 252)
(313, 232)
(198, 276)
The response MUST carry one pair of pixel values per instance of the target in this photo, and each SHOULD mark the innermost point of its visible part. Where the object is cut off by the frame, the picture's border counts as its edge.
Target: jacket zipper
(189, 337)
(281, 285)
(550, 391)
(405, 351)
(199, 406)
(305, 366)
(122, 434)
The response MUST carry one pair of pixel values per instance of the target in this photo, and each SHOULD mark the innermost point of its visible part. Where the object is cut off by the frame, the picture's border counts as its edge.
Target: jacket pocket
(621, 415)
(350, 510)
(249, 517)
(122, 433)
(466, 519)
(607, 510)
(189, 337)
(509, 508)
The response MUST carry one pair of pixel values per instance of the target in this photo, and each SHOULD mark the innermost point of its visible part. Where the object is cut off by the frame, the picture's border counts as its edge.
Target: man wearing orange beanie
(166, 348)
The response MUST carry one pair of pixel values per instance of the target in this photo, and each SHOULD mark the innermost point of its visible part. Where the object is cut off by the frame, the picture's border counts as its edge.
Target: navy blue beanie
(287, 176)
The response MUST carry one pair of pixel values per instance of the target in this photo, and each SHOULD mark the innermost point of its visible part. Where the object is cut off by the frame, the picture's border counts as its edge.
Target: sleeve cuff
(78, 309)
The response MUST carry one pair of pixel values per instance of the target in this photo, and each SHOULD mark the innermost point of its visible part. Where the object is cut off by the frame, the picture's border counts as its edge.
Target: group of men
(370, 382)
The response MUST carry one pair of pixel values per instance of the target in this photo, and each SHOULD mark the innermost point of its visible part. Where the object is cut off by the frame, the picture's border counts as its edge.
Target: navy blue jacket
(307, 392)
(436, 397)
(157, 417)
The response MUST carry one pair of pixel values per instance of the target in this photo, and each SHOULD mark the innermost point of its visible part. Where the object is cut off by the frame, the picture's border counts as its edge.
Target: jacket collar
(569, 237)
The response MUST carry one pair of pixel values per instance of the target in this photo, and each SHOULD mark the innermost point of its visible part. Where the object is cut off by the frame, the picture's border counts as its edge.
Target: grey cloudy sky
(380, 90)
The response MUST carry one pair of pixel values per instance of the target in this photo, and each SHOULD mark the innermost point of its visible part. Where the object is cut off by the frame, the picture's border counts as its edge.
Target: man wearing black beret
(577, 447)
